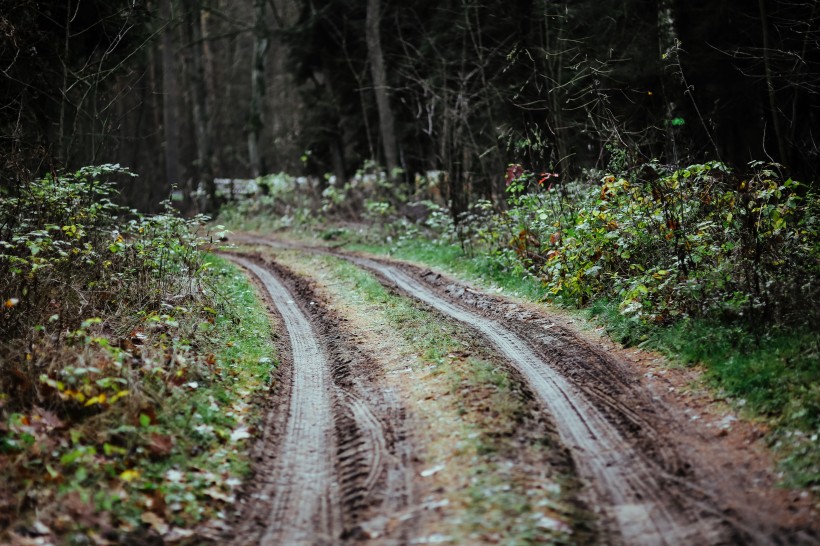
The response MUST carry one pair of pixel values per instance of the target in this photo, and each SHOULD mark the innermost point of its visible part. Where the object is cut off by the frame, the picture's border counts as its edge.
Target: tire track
(636, 495)
(343, 456)
(649, 485)
(305, 502)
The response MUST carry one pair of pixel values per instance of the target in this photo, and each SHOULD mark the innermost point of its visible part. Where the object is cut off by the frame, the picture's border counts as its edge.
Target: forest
(185, 91)
(649, 168)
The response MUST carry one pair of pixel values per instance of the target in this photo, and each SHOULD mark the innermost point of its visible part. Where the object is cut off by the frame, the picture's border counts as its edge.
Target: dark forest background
(181, 91)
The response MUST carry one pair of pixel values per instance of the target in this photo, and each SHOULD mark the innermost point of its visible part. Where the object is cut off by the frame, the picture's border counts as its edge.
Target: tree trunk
(169, 97)
(336, 141)
(203, 172)
(379, 74)
(767, 66)
(257, 120)
(63, 141)
(667, 44)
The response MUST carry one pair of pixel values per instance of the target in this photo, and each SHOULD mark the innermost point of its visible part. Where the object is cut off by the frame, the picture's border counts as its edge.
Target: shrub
(119, 390)
(702, 241)
(67, 250)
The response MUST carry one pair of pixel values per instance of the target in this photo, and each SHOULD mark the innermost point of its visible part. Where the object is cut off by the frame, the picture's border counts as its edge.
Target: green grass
(776, 377)
(205, 420)
(208, 423)
(496, 271)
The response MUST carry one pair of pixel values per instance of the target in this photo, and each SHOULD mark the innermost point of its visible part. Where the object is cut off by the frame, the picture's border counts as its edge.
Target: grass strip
(508, 494)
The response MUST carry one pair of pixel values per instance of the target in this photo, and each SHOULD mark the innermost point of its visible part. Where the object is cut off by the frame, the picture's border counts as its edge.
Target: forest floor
(413, 408)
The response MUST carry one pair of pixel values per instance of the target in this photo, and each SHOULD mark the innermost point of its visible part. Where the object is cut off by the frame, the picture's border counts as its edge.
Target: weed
(125, 423)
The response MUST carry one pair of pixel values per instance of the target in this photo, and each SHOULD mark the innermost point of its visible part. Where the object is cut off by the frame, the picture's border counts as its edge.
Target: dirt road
(650, 478)
(332, 459)
(630, 487)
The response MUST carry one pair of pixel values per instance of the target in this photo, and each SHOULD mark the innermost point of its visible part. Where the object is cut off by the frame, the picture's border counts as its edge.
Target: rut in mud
(645, 491)
(646, 484)
(342, 454)
(642, 509)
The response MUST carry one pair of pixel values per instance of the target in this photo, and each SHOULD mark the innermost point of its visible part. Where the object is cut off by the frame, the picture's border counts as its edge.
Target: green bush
(68, 251)
(701, 241)
(126, 366)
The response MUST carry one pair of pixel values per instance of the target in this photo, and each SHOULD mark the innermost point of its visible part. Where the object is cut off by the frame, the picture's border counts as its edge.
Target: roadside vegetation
(129, 362)
(705, 263)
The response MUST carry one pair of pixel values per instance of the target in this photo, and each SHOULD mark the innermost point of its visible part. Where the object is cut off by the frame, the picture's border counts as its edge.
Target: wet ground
(342, 458)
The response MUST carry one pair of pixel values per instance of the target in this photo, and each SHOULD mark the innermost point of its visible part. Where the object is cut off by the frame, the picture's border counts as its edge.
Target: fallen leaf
(40, 528)
(177, 535)
(174, 476)
(216, 494)
(130, 475)
(430, 471)
(44, 420)
(240, 434)
(155, 522)
(160, 445)
(156, 502)
(551, 524)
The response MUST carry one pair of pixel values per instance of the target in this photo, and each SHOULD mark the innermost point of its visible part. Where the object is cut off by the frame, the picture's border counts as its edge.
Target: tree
(380, 87)
(169, 95)
(256, 121)
(199, 103)
(63, 70)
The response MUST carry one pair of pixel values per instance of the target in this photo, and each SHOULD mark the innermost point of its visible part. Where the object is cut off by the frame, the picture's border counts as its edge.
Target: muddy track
(648, 484)
(341, 456)
(638, 502)
(646, 490)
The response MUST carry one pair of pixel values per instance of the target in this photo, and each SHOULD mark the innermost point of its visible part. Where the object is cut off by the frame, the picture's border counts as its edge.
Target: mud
(651, 474)
(651, 484)
(339, 457)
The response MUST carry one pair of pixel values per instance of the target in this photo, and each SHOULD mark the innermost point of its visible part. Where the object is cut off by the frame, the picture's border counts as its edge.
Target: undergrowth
(126, 371)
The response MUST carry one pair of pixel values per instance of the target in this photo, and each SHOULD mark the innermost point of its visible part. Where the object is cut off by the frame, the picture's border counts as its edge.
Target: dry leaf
(160, 445)
(155, 522)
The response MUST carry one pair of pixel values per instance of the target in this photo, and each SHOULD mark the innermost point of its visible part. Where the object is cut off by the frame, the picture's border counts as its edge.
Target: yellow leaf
(99, 399)
(117, 396)
(11, 302)
(76, 395)
(130, 475)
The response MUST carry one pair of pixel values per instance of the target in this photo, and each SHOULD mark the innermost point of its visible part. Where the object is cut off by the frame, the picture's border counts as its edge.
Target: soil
(660, 463)
(340, 458)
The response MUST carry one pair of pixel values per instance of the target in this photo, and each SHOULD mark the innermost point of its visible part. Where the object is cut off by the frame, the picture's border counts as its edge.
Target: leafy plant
(670, 243)
(124, 421)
